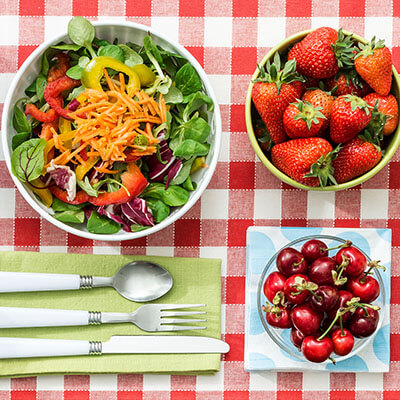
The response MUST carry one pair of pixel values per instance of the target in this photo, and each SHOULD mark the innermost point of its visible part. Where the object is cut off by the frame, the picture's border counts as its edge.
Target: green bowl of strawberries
(322, 109)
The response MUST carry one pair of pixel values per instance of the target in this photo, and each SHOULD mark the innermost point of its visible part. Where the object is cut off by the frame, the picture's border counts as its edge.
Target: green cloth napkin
(195, 281)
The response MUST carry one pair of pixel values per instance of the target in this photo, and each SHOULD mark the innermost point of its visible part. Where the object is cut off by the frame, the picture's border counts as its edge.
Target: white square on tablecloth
(51, 382)
(9, 27)
(371, 381)
(54, 249)
(214, 204)
(225, 144)
(217, 32)
(55, 25)
(270, 31)
(315, 380)
(265, 380)
(103, 382)
(5, 82)
(156, 382)
(374, 204)
(7, 197)
(216, 252)
(169, 26)
(267, 203)
(380, 27)
(116, 250)
(211, 382)
(165, 251)
(321, 205)
(5, 384)
(318, 22)
(222, 87)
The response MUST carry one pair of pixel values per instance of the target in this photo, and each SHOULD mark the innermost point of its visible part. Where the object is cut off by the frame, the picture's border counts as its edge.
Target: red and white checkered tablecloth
(227, 37)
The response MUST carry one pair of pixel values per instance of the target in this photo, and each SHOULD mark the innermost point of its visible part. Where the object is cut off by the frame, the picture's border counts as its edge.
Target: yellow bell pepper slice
(64, 137)
(198, 163)
(145, 74)
(82, 169)
(93, 72)
(64, 126)
(44, 194)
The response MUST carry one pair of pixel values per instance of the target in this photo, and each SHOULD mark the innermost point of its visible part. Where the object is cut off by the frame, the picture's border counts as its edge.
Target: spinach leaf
(41, 83)
(102, 225)
(189, 148)
(71, 216)
(196, 129)
(67, 47)
(81, 32)
(100, 42)
(138, 228)
(31, 89)
(195, 101)
(174, 196)
(27, 160)
(189, 184)
(75, 72)
(159, 209)
(44, 64)
(183, 173)
(75, 93)
(19, 138)
(83, 61)
(20, 122)
(112, 51)
(131, 57)
(59, 205)
(153, 55)
(87, 187)
(187, 80)
(173, 96)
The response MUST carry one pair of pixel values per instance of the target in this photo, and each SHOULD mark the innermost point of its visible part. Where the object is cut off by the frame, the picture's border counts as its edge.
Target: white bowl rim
(126, 235)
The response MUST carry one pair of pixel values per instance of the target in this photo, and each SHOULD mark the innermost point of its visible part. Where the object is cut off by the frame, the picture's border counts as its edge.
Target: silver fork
(149, 317)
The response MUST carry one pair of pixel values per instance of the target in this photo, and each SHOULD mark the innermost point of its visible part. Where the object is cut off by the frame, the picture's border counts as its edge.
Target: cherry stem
(319, 298)
(298, 263)
(372, 265)
(341, 326)
(348, 243)
(339, 312)
(333, 360)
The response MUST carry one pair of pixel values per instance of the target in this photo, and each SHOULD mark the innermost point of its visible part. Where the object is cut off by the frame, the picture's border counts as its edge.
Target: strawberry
(355, 158)
(374, 64)
(348, 82)
(322, 52)
(323, 99)
(301, 157)
(272, 93)
(350, 114)
(302, 120)
(387, 105)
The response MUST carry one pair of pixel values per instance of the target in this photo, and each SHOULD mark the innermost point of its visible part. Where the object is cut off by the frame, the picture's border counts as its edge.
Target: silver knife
(149, 344)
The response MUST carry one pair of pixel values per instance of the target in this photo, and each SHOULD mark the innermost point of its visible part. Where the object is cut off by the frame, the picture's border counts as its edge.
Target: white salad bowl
(125, 32)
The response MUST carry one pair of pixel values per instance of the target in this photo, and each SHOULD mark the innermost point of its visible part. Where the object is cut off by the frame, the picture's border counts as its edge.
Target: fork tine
(179, 320)
(179, 328)
(177, 313)
(179, 306)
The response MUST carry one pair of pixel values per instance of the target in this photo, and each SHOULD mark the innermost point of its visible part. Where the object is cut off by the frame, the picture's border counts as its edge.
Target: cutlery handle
(14, 317)
(35, 282)
(21, 347)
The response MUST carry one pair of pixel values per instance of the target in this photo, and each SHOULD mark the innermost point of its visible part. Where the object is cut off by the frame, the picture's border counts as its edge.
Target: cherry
(314, 249)
(324, 298)
(306, 319)
(273, 284)
(357, 261)
(290, 261)
(317, 350)
(364, 321)
(278, 317)
(343, 342)
(296, 337)
(344, 297)
(297, 288)
(365, 287)
(320, 271)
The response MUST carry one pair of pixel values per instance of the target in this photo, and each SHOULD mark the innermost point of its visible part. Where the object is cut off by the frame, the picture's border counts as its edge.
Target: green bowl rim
(279, 174)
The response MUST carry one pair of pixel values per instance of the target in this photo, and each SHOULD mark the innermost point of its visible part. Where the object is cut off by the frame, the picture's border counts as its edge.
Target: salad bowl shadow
(393, 141)
(277, 335)
(125, 32)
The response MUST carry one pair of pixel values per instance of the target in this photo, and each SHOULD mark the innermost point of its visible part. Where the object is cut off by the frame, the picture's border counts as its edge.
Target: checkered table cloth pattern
(227, 37)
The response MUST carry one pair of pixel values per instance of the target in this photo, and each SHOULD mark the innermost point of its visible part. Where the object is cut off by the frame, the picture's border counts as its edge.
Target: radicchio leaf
(73, 105)
(136, 212)
(157, 170)
(173, 172)
(64, 178)
(111, 211)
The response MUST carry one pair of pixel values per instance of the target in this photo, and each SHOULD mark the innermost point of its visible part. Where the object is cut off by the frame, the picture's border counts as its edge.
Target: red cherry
(279, 317)
(342, 343)
(365, 287)
(357, 260)
(290, 261)
(363, 323)
(324, 298)
(273, 284)
(296, 337)
(314, 249)
(320, 271)
(306, 319)
(344, 297)
(317, 350)
(293, 292)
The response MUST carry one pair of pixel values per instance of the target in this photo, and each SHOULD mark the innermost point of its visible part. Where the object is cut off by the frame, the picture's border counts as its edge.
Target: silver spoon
(138, 281)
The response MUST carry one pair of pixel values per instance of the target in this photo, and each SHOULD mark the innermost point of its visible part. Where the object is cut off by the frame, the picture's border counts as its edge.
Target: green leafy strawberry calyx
(308, 113)
(368, 48)
(272, 73)
(357, 102)
(343, 49)
(373, 133)
(323, 168)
